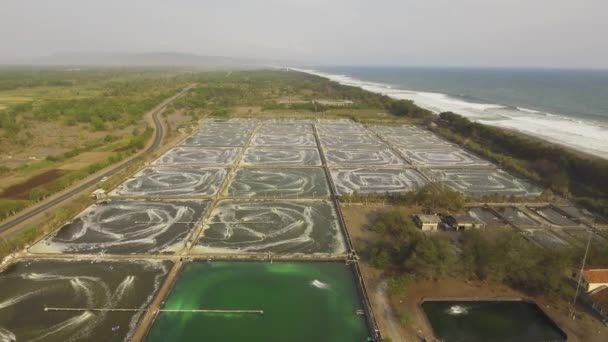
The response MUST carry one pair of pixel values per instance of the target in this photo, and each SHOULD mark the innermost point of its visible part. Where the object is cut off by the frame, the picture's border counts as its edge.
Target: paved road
(158, 138)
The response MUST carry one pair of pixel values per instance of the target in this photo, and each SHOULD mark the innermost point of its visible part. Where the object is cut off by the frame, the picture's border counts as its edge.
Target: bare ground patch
(22, 190)
(51, 139)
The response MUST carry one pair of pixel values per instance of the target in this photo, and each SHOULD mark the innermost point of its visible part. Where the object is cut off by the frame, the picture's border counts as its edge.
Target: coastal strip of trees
(569, 173)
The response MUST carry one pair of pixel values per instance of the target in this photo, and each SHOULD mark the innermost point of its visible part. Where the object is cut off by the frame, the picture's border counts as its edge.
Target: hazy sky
(569, 33)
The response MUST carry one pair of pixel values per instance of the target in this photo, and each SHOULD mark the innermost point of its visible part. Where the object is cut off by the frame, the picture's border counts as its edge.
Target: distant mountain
(144, 59)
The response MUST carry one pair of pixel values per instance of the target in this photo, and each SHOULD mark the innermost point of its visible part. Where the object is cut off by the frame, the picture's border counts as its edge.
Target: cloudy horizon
(506, 33)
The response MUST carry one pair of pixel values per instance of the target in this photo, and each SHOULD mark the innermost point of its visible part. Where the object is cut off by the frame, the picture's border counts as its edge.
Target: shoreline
(568, 132)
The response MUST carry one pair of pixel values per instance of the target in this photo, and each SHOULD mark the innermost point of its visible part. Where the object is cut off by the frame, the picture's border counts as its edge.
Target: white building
(427, 223)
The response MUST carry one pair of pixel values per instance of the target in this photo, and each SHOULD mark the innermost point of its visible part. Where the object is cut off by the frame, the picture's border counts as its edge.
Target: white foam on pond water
(199, 156)
(427, 141)
(30, 288)
(371, 157)
(484, 181)
(7, 335)
(368, 180)
(219, 139)
(282, 140)
(351, 141)
(286, 128)
(448, 157)
(457, 310)
(281, 156)
(319, 284)
(124, 227)
(279, 183)
(283, 227)
(340, 127)
(172, 183)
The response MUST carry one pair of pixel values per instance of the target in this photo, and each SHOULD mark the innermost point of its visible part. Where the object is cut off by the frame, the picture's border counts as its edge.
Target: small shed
(427, 223)
(462, 222)
(98, 194)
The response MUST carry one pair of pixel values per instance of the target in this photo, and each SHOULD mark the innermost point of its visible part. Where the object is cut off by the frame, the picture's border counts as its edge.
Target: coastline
(582, 136)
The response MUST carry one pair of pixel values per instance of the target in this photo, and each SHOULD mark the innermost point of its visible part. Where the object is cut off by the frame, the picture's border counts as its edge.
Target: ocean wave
(522, 109)
(580, 134)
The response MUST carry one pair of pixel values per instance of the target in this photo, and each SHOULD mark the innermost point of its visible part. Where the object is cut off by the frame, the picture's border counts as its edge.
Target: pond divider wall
(352, 257)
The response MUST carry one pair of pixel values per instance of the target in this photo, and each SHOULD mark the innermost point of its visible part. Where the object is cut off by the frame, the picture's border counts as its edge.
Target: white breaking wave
(522, 109)
(583, 135)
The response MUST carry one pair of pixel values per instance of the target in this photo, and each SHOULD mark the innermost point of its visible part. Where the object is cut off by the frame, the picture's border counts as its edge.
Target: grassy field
(267, 94)
(59, 126)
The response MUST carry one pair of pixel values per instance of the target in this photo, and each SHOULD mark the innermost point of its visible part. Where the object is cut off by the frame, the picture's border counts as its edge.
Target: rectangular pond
(28, 287)
(379, 181)
(487, 320)
(301, 302)
(204, 156)
(554, 216)
(516, 216)
(161, 182)
(285, 128)
(282, 140)
(352, 142)
(279, 183)
(281, 156)
(221, 138)
(426, 141)
(482, 182)
(486, 216)
(449, 157)
(548, 239)
(281, 227)
(127, 227)
(369, 157)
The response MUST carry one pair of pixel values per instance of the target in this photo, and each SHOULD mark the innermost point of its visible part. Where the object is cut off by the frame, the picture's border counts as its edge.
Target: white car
(103, 179)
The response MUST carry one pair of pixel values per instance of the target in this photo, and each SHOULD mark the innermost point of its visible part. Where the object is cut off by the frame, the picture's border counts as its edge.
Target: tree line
(566, 172)
(498, 255)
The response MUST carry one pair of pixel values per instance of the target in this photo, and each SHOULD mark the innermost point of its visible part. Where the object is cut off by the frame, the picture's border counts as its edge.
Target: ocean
(568, 107)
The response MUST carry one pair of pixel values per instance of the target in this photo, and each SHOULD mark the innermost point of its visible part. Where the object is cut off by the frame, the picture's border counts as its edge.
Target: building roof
(429, 219)
(600, 297)
(596, 275)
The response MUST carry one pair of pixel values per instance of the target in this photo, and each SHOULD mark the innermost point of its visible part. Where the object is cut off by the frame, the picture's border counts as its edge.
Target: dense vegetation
(101, 99)
(72, 111)
(433, 197)
(219, 94)
(568, 173)
(499, 255)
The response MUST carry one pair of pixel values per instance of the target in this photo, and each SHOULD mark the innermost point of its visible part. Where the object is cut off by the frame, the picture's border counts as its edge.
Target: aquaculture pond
(307, 301)
(470, 321)
(55, 300)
